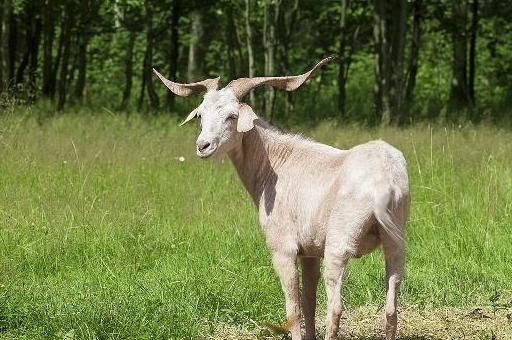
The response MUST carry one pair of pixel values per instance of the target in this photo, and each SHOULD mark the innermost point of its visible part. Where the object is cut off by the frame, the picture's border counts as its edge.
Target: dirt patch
(366, 323)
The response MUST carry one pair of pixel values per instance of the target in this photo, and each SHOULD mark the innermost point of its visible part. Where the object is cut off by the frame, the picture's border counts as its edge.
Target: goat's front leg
(310, 276)
(286, 268)
(335, 264)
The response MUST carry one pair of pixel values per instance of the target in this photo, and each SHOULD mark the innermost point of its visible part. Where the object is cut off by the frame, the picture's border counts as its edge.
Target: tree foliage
(400, 61)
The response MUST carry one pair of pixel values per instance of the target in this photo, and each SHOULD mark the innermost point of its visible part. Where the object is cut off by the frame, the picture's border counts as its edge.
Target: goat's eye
(231, 117)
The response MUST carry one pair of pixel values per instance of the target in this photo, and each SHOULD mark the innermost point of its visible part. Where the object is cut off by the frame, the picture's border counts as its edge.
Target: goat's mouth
(205, 153)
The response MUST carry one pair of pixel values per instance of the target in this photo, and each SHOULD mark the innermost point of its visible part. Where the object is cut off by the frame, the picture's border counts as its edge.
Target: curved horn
(186, 90)
(242, 86)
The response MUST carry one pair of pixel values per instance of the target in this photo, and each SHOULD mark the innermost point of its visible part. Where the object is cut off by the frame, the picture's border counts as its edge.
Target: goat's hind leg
(394, 254)
(347, 224)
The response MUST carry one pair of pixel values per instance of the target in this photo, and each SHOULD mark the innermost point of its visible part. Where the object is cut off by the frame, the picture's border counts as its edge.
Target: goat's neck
(258, 159)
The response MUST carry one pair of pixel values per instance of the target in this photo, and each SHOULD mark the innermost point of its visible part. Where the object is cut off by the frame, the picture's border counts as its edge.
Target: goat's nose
(202, 145)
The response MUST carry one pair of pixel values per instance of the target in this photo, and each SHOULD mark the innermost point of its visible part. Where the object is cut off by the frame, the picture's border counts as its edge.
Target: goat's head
(224, 118)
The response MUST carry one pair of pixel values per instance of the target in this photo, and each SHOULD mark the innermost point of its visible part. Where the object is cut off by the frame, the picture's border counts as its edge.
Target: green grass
(105, 234)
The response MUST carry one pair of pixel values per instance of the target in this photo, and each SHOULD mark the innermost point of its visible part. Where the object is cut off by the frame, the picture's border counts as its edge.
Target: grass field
(106, 234)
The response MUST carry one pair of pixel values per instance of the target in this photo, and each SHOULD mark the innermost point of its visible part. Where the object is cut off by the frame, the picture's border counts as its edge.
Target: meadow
(110, 228)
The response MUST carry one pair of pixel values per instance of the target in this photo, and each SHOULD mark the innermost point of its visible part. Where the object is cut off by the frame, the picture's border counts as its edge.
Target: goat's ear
(246, 118)
(190, 116)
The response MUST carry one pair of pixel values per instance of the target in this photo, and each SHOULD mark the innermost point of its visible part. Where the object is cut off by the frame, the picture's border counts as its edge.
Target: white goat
(313, 200)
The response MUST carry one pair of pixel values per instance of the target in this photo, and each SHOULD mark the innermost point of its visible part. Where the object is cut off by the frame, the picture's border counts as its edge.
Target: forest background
(400, 62)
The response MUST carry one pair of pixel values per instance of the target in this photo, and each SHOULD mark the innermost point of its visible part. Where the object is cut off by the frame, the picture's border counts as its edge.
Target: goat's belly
(368, 243)
(311, 247)
(311, 252)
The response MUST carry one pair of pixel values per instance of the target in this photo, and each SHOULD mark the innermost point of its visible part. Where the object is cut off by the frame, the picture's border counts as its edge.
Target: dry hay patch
(366, 323)
(421, 324)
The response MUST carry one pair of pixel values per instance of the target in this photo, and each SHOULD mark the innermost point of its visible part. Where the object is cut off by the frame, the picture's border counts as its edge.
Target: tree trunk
(389, 32)
(285, 26)
(58, 57)
(414, 54)
(33, 47)
(196, 50)
(4, 47)
(396, 69)
(83, 40)
(74, 63)
(48, 35)
(250, 52)
(459, 96)
(174, 53)
(342, 61)
(382, 109)
(143, 84)
(128, 70)
(472, 52)
(26, 54)
(66, 42)
(148, 59)
(13, 35)
(22, 67)
(30, 55)
(231, 42)
(269, 42)
(1, 54)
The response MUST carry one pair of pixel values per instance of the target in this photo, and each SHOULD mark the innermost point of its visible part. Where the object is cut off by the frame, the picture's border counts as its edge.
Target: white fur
(314, 201)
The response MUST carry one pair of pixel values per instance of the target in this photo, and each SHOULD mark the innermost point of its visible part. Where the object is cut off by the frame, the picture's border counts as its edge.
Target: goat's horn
(243, 86)
(186, 90)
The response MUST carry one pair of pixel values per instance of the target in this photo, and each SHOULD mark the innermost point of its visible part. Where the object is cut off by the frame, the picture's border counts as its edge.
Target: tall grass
(105, 233)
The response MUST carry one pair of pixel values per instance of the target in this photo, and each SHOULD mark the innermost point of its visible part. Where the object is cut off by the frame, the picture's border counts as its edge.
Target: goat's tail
(391, 209)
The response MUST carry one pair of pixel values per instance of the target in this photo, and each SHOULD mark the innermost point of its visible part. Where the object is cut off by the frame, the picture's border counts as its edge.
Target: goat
(314, 201)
